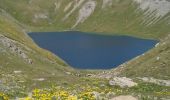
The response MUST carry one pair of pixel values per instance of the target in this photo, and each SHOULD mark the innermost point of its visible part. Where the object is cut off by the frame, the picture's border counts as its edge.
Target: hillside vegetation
(148, 18)
(23, 63)
(25, 67)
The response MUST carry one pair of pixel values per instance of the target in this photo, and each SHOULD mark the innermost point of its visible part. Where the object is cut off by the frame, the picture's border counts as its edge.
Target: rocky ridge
(14, 47)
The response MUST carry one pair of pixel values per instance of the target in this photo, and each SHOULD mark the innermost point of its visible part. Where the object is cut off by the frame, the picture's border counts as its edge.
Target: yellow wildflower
(3, 96)
(28, 98)
(63, 94)
(71, 97)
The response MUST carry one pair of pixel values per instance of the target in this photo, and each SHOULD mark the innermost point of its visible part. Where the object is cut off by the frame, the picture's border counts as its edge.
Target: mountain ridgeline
(144, 18)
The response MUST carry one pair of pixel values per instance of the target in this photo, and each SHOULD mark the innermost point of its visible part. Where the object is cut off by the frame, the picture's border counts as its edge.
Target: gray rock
(30, 61)
(128, 97)
(23, 55)
(156, 81)
(17, 72)
(122, 82)
(89, 75)
(85, 11)
(157, 58)
(68, 73)
(15, 48)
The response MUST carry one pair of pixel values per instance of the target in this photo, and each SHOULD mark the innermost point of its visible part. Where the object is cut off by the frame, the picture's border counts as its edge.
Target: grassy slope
(120, 18)
(154, 63)
(45, 64)
(12, 30)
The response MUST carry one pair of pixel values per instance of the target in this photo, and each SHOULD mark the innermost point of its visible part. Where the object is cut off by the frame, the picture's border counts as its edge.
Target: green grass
(119, 19)
(148, 65)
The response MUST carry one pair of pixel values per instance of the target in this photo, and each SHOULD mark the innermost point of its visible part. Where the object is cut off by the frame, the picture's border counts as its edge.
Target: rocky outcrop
(86, 10)
(41, 16)
(159, 7)
(77, 4)
(10, 82)
(156, 81)
(68, 6)
(14, 47)
(128, 97)
(122, 82)
(155, 8)
(57, 5)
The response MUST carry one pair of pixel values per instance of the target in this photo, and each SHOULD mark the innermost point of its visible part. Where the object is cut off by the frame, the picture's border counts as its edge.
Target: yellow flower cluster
(75, 92)
(87, 96)
(3, 96)
(39, 94)
(60, 93)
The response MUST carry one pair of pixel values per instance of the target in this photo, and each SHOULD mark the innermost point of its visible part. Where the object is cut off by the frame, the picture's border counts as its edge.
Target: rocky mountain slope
(24, 66)
(144, 18)
(154, 63)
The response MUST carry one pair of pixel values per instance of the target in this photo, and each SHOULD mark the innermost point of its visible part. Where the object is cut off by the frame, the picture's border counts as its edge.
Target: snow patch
(86, 10)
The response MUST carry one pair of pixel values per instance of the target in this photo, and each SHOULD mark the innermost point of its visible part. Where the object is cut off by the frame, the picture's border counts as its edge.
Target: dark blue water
(86, 51)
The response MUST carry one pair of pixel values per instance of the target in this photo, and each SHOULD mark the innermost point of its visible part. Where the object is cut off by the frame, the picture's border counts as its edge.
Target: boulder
(128, 97)
(30, 61)
(17, 72)
(68, 73)
(156, 81)
(122, 82)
